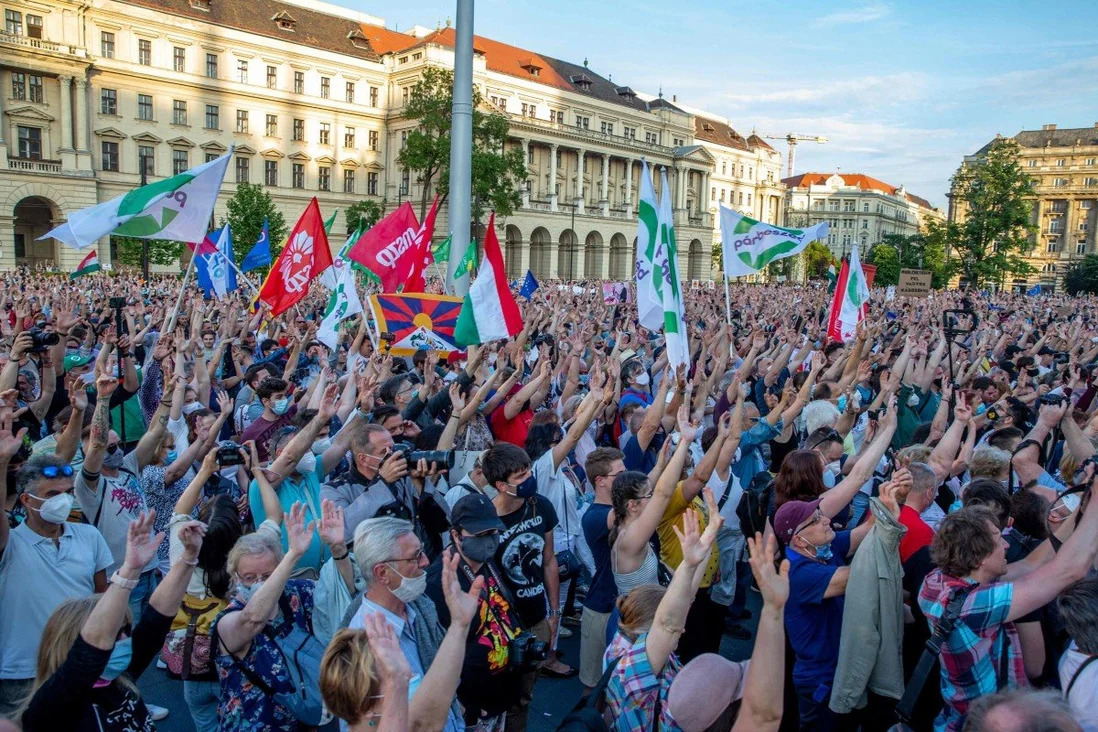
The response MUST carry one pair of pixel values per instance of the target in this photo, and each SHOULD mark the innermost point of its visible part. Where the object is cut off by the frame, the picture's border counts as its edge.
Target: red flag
(386, 248)
(423, 253)
(206, 247)
(305, 256)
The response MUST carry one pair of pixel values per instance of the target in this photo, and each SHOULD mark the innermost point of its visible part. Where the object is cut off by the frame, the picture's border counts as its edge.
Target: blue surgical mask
(842, 403)
(171, 457)
(280, 406)
(244, 592)
(119, 660)
(823, 553)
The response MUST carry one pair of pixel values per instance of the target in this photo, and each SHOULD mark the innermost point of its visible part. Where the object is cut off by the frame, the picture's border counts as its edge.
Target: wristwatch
(117, 579)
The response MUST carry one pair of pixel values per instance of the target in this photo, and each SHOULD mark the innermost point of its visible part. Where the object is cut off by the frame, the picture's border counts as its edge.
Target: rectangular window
(1060, 182)
(713, 194)
(1060, 163)
(583, 122)
(270, 173)
(299, 130)
(30, 143)
(180, 161)
(748, 199)
(272, 77)
(146, 159)
(211, 156)
(299, 82)
(1055, 226)
(1090, 161)
(848, 205)
(607, 128)
(325, 87)
(213, 117)
(271, 128)
(243, 169)
(404, 95)
(144, 52)
(1081, 247)
(242, 121)
(13, 22)
(179, 112)
(179, 58)
(145, 107)
(348, 137)
(34, 26)
(108, 156)
(1086, 205)
(299, 175)
(1090, 181)
(371, 184)
(373, 138)
(211, 65)
(325, 134)
(34, 88)
(108, 101)
(18, 86)
(1032, 163)
(405, 181)
(348, 180)
(373, 96)
(350, 92)
(242, 71)
(106, 50)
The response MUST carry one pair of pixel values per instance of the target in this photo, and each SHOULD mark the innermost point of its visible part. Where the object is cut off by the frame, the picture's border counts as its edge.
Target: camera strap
(503, 590)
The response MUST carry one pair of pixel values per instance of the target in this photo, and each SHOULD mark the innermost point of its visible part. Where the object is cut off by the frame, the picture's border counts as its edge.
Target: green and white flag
(176, 208)
(342, 304)
(465, 266)
(650, 255)
(441, 252)
(670, 289)
(748, 245)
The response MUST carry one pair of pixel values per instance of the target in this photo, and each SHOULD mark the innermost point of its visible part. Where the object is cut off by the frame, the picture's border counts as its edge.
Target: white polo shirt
(36, 576)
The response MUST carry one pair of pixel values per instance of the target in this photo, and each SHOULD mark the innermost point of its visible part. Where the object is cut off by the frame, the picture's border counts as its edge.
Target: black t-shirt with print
(519, 557)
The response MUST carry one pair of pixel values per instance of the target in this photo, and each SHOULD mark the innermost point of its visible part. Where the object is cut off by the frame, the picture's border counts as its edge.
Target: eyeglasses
(414, 558)
(53, 471)
(816, 517)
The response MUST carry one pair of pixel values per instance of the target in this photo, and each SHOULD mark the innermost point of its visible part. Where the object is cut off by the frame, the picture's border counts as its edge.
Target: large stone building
(311, 96)
(1063, 164)
(860, 209)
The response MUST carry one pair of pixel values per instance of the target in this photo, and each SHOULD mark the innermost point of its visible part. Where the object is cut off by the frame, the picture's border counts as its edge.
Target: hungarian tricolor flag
(423, 255)
(850, 301)
(304, 257)
(489, 311)
(832, 276)
(87, 265)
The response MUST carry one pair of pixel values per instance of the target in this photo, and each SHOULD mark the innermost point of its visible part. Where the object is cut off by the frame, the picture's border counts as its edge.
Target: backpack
(587, 715)
(754, 506)
(187, 646)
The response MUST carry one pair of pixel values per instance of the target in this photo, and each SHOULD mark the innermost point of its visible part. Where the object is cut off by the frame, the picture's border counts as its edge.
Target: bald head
(1021, 710)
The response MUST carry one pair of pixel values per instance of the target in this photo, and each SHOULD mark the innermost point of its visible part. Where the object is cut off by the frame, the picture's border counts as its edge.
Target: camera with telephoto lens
(42, 340)
(228, 453)
(527, 652)
(444, 459)
(1053, 400)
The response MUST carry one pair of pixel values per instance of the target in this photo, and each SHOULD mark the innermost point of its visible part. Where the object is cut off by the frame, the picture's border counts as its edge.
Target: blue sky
(903, 90)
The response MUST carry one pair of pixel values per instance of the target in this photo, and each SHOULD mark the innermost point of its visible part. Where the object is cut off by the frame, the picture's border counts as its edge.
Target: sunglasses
(53, 471)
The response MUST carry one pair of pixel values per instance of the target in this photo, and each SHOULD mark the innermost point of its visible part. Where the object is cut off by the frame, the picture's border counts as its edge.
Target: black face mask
(479, 548)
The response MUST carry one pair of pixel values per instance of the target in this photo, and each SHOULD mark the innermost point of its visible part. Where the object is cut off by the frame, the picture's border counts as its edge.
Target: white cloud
(865, 14)
(864, 90)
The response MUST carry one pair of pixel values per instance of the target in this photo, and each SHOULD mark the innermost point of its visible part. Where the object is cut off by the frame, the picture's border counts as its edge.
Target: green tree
(1082, 276)
(496, 173)
(366, 213)
(817, 258)
(994, 238)
(887, 261)
(247, 208)
(131, 250)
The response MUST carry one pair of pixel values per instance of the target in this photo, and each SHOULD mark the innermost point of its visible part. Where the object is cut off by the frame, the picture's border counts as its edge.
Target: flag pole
(442, 278)
(182, 289)
(241, 275)
(727, 301)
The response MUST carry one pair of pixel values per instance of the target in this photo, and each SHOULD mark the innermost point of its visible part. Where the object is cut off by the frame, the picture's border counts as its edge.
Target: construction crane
(792, 139)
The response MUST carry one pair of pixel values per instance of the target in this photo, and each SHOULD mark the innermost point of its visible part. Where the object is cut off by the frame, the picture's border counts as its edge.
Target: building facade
(310, 97)
(1063, 164)
(860, 209)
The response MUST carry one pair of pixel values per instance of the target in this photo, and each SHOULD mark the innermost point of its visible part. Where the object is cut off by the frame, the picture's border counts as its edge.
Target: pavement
(553, 698)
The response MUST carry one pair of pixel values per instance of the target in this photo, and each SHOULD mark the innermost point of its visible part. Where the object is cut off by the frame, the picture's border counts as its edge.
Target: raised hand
(456, 399)
(141, 545)
(693, 552)
(299, 534)
(963, 411)
(331, 528)
(687, 429)
(9, 443)
(191, 535)
(390, 660)
(462, 605)
(328, 404)
(895, 491)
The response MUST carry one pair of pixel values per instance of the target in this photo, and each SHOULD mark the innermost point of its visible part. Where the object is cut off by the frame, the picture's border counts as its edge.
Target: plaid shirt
(970, 655)
(631, 692)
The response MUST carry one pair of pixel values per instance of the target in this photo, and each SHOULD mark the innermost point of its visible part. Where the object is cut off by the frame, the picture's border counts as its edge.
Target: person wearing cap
(1045, 357)
(638, 384)
(489, 684)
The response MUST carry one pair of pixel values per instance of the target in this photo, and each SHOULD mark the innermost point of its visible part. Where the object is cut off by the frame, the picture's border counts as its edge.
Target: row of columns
(681, 174)
(68, 122)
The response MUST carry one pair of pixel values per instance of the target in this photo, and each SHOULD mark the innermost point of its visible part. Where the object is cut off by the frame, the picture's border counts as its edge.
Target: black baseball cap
(475, 513)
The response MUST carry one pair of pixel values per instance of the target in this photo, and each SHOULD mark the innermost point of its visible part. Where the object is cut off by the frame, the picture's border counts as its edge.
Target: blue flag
(1034, 291)
(529, 285)
(260, 254)
(215, 275)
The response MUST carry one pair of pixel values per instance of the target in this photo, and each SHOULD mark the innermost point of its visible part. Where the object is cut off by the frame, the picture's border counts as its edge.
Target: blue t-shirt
(812, 622)
(293, 489)
(603, 592)
(642, 460)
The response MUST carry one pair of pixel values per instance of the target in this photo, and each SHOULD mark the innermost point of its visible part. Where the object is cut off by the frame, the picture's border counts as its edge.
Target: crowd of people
(306, 536)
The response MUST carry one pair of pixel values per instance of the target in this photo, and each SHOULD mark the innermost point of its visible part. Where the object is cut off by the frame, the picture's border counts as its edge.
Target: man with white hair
(394, 567)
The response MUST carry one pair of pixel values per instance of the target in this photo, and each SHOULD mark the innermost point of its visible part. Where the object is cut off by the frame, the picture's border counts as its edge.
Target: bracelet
(191, 562)
(343, 556)
(554, 613)
(127, 584)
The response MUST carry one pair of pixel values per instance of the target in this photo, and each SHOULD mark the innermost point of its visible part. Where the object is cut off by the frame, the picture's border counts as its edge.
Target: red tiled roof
(855, 180)
(386, 41)
(756, 141)
(718, 133)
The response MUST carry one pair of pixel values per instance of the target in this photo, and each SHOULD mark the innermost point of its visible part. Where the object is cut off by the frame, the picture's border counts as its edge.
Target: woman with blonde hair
(90, 655)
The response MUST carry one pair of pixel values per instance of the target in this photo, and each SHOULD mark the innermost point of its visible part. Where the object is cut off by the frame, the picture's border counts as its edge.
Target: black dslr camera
(1053, 400)
(527, 652)
(443, 458)
(42, 340)
(228, 454)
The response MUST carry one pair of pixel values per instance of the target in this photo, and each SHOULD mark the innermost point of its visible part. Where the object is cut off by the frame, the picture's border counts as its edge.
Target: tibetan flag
(176, 208)
(489, 311)
(304, 257)
(383, 248)
(747, 245)
(87, 265)
(529, 285)
(260, 254)
(411, 322)
(422, 256)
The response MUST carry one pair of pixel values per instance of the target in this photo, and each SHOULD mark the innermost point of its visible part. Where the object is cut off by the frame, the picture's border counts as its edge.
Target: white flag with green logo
(650, 256)
(342, 304)
(177, 208)
(674, 325)
(748, 245)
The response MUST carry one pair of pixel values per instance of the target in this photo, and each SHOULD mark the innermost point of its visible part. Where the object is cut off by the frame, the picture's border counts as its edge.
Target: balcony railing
(34, 166)
(591, 134)
(40, 44)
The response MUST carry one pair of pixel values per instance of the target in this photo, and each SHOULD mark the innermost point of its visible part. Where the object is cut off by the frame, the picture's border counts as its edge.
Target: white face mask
(54, 510)
(192, 407)
(643, 379)
(87, 379)
(307, 464)
(321, 445)
(410, 588)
